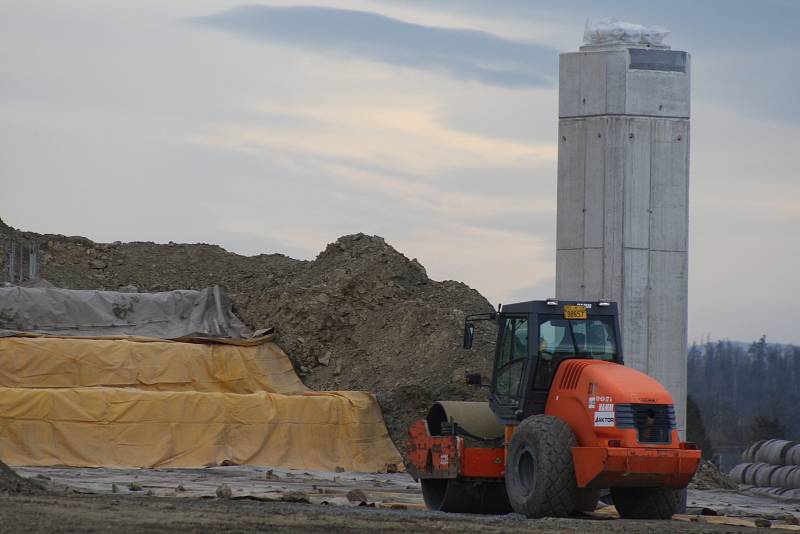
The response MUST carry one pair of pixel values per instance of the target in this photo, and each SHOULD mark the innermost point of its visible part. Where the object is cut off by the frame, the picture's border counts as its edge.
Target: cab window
(561, 338)
(511, 358)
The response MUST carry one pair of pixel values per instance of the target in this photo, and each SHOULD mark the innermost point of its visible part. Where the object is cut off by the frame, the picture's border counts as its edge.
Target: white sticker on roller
(603, 418)
(591, 403)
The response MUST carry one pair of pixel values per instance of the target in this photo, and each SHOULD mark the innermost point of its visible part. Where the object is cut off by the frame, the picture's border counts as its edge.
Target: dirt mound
(709, 477)
(363, 316)
(360, 316)
(12, 483)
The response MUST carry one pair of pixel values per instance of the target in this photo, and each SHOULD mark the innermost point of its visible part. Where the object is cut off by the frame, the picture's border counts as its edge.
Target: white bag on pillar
(612, 31)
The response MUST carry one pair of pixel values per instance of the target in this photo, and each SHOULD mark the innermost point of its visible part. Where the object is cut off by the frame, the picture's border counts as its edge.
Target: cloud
(460, 53)
(398, 136)
(544, 288)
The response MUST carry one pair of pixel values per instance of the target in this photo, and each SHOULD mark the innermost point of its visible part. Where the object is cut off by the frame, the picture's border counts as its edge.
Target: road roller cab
(564, 419)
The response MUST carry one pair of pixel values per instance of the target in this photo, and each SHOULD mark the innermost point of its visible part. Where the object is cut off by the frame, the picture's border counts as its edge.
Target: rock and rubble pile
(12, 483)
(709, 477)
(360, 316)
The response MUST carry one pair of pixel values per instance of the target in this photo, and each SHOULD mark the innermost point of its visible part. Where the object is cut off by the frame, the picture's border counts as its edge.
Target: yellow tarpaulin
(142, 363)
(145, 403)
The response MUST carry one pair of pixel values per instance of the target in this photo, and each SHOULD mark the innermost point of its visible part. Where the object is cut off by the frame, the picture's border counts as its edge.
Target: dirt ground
(117, 514)
(250, 499)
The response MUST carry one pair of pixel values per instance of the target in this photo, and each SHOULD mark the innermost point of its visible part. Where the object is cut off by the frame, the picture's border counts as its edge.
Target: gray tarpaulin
(168, 315)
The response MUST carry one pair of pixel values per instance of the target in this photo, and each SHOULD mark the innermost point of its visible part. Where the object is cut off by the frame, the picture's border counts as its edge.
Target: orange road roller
(564, 420)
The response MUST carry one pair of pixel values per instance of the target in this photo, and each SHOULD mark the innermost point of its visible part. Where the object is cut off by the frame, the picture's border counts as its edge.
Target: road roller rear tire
(465, 497)
(646, 503)
(540, 475)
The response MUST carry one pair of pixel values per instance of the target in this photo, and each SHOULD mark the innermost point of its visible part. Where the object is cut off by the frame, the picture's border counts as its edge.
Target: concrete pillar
(623, 185)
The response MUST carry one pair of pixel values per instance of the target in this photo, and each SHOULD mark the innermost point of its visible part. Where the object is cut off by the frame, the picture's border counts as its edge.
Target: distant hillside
(733, 383)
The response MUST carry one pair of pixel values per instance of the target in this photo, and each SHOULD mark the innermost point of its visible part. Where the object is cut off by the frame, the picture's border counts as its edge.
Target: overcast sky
(277, 127)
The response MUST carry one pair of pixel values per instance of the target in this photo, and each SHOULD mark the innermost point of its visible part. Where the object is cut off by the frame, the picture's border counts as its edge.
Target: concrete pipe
(792, 476)
(764, 491)
(749, 475)
(769, 492)
(737, 473)
(782, 477)
(763, 475)
(792, 445)
(793, 480)
(778, 492)
(773, 451)
(793, 455)
(760, 454)
(749, 454)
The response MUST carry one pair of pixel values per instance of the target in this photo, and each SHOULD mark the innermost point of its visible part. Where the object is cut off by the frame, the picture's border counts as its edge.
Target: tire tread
(555, 489)
(646, 503)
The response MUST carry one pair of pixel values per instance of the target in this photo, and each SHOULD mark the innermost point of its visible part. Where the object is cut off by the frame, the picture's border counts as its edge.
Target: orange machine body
(614, 412)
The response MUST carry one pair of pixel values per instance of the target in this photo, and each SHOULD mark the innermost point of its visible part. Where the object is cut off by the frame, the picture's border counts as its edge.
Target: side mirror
(474, 379)
(469, 333)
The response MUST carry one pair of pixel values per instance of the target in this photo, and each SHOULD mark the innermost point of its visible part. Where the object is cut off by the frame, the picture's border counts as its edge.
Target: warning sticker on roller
(603, 418)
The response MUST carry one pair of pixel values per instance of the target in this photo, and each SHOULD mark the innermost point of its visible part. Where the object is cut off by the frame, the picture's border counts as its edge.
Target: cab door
(511, 362)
